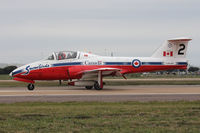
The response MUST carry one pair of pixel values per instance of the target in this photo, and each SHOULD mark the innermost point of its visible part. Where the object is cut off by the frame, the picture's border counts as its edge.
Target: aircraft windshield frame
(51, 57)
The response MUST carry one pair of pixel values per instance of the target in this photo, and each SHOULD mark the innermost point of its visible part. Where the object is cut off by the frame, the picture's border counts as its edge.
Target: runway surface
(108, 94)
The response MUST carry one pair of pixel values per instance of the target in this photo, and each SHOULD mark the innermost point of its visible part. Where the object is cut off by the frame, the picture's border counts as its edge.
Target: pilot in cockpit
(61, 56)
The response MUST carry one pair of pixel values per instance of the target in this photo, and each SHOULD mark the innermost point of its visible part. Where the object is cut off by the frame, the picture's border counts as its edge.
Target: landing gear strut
(97, 86)
(30, 87)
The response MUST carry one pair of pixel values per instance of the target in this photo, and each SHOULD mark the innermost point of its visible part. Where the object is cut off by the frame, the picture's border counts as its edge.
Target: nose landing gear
(31, 87)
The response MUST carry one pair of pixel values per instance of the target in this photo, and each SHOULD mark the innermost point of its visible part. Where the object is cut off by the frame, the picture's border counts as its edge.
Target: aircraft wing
(93, 74)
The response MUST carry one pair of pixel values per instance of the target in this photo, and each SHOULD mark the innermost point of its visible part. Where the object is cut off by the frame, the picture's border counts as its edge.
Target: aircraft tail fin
(173, 48)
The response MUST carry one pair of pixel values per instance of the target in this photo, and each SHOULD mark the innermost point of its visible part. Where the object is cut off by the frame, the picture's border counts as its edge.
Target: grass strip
(102, 117)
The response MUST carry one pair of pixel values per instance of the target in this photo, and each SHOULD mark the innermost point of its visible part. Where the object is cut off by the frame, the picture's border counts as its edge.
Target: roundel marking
(136, 63)
(169, 45)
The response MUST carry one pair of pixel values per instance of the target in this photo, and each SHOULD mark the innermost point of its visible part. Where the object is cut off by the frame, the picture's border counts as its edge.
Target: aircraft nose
(11, 74)
(15, 72)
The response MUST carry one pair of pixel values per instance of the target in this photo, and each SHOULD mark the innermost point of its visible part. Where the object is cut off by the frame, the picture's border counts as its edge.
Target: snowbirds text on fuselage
(88, 70)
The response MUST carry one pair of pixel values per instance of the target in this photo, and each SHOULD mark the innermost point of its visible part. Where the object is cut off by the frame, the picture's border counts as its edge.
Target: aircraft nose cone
(11, 74)
(14, 72)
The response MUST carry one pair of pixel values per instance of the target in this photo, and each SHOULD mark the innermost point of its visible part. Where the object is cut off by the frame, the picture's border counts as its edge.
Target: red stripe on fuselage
(60, 73)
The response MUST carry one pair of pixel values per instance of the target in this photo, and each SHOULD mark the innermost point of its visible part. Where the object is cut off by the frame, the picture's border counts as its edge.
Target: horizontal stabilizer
(180, 39)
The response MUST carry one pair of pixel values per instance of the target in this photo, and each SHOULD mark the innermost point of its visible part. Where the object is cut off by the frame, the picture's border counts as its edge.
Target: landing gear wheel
(97, 86)
(88, 87)
(30, 87)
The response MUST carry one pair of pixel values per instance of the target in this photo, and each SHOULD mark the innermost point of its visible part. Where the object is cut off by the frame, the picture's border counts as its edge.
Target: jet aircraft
(87, 70)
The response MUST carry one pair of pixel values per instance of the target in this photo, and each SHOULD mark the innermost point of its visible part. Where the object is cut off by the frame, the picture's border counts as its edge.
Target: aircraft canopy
(63, 55)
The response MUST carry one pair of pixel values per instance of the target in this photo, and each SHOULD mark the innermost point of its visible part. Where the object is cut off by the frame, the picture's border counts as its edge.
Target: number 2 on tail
(180, 51)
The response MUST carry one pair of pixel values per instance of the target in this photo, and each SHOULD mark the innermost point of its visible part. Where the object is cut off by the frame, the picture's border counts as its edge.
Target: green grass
(84, 117)
(5, 77)
(23, 84)
(154, 82)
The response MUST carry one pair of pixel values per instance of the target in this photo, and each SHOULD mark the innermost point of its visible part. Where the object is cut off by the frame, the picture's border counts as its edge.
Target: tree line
(193, 69)
(7, 70)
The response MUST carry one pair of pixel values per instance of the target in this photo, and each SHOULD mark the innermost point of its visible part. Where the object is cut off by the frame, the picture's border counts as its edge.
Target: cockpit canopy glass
(66, 55)
(63, 55)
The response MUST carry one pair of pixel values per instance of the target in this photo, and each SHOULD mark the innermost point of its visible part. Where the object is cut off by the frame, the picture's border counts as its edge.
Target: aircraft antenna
(111, 54)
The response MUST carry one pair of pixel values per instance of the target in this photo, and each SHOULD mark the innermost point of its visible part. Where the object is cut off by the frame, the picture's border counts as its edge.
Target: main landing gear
(98, 85)
(88, 87)
(31, 87)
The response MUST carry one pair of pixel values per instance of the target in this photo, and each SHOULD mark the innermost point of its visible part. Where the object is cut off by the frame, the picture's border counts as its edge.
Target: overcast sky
(33, 29)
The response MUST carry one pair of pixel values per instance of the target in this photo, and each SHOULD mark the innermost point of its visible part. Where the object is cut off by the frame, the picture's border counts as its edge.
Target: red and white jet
(88, 70)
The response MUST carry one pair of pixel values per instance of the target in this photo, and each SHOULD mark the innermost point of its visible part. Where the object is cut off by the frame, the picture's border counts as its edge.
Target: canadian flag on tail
(168, 53)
